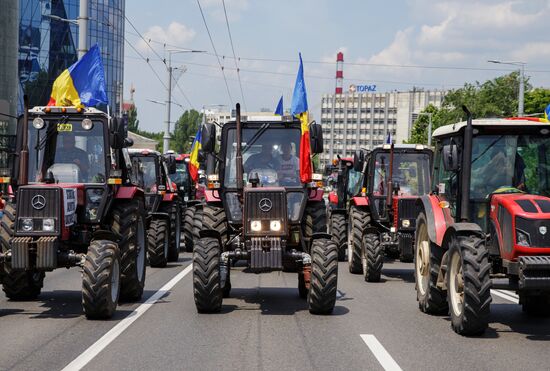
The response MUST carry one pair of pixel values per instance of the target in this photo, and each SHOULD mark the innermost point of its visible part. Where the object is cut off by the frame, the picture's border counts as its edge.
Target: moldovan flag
(82, 84)
(547, 114)
(299, 109)
(194, 157)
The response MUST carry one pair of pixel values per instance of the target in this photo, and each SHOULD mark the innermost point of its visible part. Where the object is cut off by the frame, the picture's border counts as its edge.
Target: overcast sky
(458, 35)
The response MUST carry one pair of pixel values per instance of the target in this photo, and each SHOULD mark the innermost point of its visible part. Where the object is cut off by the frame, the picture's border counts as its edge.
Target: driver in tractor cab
(288, 169)
(262, 160)
(71, 154)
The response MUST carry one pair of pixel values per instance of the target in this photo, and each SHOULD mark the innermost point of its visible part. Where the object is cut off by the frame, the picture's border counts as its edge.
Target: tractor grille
(255, 199)
(407, 209)
(52, 198)
(534, 227)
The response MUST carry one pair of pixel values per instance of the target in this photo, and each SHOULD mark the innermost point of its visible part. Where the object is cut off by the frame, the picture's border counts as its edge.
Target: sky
(393, 44)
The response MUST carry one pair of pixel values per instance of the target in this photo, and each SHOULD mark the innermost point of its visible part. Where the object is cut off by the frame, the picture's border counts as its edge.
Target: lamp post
(82, 22)
(429, 114)
(521, 82)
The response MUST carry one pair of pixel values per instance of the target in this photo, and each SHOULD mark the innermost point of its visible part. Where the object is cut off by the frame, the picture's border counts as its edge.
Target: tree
(537, 100)
(133, 122)
(185, 130)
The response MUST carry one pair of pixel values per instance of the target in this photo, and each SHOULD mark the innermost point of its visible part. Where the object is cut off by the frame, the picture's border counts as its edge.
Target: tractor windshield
(148, 166)
(181, 176)
(72, 151)
(270, 152)
(411, 172)
(510, 163)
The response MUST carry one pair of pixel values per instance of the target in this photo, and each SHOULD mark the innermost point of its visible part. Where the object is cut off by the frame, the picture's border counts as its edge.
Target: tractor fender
(316, 194)
(338, 211)
(436, 220)
(104, 234)
(168, 197)
(212, 195)
(360, 201)
(160, 215)
(190, 203)
(333, 198)
(128, 192)
(320, 235)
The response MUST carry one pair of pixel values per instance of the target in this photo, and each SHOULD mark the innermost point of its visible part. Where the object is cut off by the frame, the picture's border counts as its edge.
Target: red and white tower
(339, 72)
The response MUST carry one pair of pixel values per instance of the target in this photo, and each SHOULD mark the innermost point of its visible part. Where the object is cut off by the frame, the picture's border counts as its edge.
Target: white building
(363, 120)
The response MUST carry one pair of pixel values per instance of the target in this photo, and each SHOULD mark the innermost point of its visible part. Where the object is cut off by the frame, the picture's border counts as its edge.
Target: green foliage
(536, 101)
(133, 122)
(185, 130)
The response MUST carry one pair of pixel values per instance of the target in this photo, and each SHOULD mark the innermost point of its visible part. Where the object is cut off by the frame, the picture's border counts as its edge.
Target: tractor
(75, 203)
(486, 225)
(383, 213)
(257, 210)
(345, 180)
(162, 204)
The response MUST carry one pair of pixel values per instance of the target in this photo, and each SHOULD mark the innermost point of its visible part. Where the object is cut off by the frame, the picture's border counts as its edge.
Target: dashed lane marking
(83, 359)
(383, 357)
(506, 295)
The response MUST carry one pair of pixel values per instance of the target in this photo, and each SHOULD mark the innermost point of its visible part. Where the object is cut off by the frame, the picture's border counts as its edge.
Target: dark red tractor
(486, 225)
(76, 203)
(383, 213)
(162, 203)
(258, 210)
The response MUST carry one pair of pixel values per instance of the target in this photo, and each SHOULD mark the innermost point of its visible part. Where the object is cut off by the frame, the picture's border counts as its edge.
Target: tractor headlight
(522, 238)
(405, 223)
(38, 123)
(48, 225)
(94, 196)
(87, 124)
(275, 225)
(256, 225)
(27, 225)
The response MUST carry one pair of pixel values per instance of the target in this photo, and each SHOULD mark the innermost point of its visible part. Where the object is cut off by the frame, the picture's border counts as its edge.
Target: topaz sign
(362, 88)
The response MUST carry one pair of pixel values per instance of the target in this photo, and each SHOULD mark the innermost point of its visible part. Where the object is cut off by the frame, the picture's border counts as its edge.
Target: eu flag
(279, 109)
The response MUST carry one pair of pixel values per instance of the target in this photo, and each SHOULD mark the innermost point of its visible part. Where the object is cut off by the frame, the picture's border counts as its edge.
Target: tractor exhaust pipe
(239, 154)
(24, 154)
(466, 167)
(389, 187)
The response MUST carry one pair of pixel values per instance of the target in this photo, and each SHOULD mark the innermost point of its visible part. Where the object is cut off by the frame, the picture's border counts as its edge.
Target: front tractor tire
(188, 228)
(214, 218)
(427, 260)
(359, 220)
(129, 224)
(173, 209)
(158, 243)
(324, 276)
(314, 220)
(469, 285)
(207, 289)
(339, 232)
(17, 285)
(101, 280)
(373, 257)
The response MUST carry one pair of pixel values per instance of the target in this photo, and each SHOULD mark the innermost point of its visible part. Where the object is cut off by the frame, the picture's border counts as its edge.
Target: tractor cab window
(269, 152)
(148, 166)
(410, 173)
(70, 151)
(181, 176)
(446, 182)
(354, 182)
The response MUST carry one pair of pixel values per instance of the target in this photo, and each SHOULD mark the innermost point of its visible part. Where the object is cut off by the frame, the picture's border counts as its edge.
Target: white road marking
(505, 295)
(383, 357)
(83, 359)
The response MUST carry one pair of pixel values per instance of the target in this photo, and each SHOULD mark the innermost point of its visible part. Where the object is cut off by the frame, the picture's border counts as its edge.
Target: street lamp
(521, 81)
(166, 138)
(429, 114)
(82, 22)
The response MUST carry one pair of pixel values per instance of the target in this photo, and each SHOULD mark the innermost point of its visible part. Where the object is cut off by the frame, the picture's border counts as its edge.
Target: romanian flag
(547, 114)
(194, 157)
(82, 84)
(299, 109)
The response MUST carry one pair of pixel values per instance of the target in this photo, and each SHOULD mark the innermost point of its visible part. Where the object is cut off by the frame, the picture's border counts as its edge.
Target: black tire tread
(374, 255)
(214, 218)
(324, 276)
(314, 220)
(156, 241)
(207, 290)
(188, 228)
(173, 249)
(339, 232)
(359, 220)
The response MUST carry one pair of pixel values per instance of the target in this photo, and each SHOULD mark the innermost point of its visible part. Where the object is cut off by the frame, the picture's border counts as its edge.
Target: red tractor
(258, 210)
(344, 180)
(488, 220)
(162, 204)
(383, 212)
(76, 203)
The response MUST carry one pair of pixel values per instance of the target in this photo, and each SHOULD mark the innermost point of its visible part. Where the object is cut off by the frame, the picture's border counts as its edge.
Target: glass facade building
(48, 44)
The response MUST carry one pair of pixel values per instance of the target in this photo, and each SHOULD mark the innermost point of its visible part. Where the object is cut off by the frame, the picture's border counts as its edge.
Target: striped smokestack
(339, 72)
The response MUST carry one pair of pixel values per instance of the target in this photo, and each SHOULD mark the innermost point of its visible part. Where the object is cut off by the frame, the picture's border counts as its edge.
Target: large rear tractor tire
(339, 232)
(197, 223)
(188, 228)
(101, 280)
(17, 285)
(359, 219)
(207, 289)
(427, 260)
(129, 223)
(372, 258)
(469, 285)
(324, 276)
(173, 209)
(214, 218)
(314, 221)
(158, 243)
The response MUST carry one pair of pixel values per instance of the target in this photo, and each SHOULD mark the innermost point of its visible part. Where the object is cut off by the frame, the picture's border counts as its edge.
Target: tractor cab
(182, 178)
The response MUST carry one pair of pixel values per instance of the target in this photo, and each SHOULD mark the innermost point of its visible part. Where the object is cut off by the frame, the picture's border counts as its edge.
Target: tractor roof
(264, 119)
(142, 151)
(508, 122)
(58, 109)
(418, 147)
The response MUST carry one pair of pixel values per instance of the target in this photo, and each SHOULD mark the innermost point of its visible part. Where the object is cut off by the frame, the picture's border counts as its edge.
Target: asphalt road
(263, 326)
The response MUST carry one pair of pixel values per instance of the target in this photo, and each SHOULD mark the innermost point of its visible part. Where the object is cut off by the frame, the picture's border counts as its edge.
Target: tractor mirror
(208, 138)
(171, 164)
(316, 137)
(116, 135)
(358, 159)
(128, 142)
(201, 156)
(450, 157)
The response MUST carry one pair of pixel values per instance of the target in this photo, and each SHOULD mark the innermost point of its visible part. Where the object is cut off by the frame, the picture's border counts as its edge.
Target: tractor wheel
(17, 285)
(188, 228)
(314, 221)
(129, 223)
(427, 259)
(213, 217)
(173, 209)
(206, 275)
(197, 223)
(339, 232)
(159, 243)
(372, 258)
(324, 276)
(406, 247)
(101, 280)
(359, 221)
(535, 305)
(468, 285)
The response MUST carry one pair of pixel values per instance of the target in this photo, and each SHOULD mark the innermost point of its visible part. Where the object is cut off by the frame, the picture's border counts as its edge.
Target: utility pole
(83, 28)
(521, 82)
